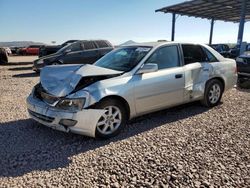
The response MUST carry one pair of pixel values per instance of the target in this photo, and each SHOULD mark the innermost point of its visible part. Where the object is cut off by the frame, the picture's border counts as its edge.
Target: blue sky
(115, 20)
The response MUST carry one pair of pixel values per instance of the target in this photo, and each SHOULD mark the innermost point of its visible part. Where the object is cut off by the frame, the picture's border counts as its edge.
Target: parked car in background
(51, 49)
(30, 50)
(14, 50)
(8, 50)
(21, 51)
(80, 52)
(243, 67)
(3, 56)
(97, 100)
(223, 49)
(33, 50)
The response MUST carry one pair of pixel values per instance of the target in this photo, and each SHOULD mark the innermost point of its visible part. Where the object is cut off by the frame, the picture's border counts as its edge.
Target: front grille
(42, 117)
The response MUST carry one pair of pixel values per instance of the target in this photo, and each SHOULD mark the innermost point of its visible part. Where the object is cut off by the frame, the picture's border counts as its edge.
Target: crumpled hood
(61, 80)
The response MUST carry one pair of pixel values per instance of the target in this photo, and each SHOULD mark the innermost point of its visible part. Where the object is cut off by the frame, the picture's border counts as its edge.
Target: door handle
(177, 76)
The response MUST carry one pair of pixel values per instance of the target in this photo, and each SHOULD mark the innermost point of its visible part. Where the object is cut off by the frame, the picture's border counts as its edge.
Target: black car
(3, 56)
(223, 49)
(80, 52)
(51, 49)
(243, 68)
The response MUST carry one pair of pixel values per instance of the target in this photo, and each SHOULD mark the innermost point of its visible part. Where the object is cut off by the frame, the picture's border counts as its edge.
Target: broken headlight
(71, 104)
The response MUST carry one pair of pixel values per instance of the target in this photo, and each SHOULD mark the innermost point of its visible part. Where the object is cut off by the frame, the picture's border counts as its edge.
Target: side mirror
(147, 68)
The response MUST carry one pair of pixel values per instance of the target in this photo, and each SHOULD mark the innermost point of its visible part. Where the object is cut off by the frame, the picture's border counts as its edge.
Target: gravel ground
(186, 146)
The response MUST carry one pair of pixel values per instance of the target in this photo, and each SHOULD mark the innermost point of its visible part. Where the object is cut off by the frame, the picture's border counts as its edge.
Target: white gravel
(186, 146)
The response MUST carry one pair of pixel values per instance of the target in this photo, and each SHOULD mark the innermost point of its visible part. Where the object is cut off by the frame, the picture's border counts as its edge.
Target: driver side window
(165, 57)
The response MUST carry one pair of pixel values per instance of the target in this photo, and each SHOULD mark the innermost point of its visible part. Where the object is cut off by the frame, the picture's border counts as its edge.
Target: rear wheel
(213, 93)
(112, 120)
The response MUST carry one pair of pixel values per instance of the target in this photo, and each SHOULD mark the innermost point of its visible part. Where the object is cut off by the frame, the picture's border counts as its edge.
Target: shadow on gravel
(20, 68)
(16, 63)
(27, 146)
(26, 75)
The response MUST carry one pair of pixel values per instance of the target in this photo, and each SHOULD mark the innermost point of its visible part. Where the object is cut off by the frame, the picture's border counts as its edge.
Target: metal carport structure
(237, 11)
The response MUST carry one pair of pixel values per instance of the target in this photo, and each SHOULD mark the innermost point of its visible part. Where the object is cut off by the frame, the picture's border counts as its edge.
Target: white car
(8, 50)
(97, 100)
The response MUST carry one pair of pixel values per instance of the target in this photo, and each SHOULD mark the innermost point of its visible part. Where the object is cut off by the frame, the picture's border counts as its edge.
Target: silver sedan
(97, 100)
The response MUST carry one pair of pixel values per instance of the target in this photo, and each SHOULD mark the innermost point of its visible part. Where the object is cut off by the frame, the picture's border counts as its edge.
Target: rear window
(210, 57)
(193, 54)
(102, 44)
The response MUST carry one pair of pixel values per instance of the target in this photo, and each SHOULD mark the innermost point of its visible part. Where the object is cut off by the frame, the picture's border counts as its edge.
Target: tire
(115, 117)
(213, 93)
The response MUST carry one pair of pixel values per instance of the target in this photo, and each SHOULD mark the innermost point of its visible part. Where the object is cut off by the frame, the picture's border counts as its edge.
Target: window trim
(178, 52)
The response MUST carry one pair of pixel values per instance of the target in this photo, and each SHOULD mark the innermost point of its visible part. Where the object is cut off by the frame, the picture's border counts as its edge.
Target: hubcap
(214, 93)
(110, 120)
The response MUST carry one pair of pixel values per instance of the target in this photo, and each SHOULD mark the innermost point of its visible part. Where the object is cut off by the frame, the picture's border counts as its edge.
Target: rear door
(163, 88)
(198, 65)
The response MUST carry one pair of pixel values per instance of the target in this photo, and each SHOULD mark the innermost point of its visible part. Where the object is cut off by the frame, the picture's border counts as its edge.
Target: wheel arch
(219, 79)
(120, 99)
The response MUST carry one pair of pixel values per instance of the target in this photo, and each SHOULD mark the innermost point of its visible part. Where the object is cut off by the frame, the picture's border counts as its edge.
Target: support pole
(242, 24)
(173, 26)
(211, 31)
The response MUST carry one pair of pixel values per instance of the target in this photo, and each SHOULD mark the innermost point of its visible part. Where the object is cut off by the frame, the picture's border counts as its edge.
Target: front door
(163, 88)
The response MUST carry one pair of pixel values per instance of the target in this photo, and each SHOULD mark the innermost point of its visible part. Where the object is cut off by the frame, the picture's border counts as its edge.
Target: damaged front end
(60, 101)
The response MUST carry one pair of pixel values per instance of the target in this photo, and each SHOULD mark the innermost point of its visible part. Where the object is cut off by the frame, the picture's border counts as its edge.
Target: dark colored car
(80, 52)
(223, 49)
(51, 49)
(243, 68)
(3, 56)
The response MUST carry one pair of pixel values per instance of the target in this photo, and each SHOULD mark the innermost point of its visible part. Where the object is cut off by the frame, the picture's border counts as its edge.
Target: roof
(225, 10)
(149, 44)
(156, 44)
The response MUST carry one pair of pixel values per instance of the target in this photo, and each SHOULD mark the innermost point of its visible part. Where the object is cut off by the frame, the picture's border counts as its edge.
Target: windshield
(123, 59)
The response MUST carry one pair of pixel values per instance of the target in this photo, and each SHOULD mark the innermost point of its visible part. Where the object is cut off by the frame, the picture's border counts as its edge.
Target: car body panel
(143, 93)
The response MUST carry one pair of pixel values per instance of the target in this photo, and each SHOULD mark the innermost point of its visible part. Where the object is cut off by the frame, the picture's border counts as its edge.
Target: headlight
(40, 61)
(71, 104)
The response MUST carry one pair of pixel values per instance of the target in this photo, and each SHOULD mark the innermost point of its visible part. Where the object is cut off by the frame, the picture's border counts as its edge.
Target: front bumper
(50, 116)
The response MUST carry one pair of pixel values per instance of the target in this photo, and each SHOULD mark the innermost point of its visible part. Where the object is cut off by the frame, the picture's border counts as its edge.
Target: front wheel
(112, 120)
(213, 93)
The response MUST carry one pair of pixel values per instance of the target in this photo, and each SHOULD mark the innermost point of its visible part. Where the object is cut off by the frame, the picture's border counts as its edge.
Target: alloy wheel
(214, 93)
(110, 120)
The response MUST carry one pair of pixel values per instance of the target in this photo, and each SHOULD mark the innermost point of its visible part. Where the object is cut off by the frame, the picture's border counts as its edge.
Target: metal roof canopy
(224, 10)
